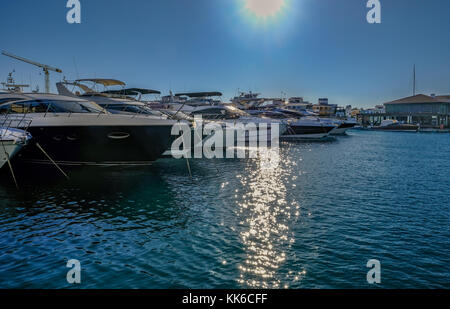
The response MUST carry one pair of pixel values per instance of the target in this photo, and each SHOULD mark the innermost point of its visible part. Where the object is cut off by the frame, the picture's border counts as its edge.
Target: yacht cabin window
(49, 106)
(128, 108)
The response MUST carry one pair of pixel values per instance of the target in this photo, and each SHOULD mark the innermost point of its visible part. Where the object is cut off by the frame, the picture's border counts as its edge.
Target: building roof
(421, 98)
(445, 97)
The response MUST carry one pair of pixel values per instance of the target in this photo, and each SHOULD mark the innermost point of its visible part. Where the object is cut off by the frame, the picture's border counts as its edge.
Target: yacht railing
(16, 121)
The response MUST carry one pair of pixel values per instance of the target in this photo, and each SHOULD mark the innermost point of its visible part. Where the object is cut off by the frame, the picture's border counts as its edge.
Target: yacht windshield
(49, 106)
(220, 112)
(6, 100)
(129, 108)
(236, 111)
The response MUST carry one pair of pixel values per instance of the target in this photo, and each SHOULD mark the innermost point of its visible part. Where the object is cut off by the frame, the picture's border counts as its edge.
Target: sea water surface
(312, 222)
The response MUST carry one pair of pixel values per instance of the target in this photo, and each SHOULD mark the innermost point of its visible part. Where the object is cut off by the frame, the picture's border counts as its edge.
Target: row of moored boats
(84, 126)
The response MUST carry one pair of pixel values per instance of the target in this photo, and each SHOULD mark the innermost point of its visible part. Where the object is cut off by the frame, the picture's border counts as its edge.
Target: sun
(264, 8)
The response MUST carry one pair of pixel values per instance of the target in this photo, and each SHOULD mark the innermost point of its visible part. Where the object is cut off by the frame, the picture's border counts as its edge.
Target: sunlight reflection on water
(266, 215)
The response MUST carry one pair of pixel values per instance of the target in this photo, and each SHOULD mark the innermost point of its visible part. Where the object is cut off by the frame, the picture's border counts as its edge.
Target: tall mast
(414, 80)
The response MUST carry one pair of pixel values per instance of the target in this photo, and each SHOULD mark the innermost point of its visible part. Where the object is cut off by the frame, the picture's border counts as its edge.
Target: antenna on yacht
(11, 85)
(45, 68)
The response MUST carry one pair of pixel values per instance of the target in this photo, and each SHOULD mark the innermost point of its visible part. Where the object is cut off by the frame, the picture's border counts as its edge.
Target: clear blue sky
(311, 48)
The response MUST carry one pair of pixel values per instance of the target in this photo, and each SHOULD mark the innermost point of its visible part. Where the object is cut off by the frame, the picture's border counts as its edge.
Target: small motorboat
(395, 125)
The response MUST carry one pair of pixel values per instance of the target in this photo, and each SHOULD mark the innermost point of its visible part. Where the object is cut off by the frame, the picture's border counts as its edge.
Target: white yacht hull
(308, 129)
(253, 134)
(8, 150)
(304, 136)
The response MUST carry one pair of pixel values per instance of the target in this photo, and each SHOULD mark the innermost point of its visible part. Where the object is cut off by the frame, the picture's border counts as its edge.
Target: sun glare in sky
(268, 19)
(264, 8)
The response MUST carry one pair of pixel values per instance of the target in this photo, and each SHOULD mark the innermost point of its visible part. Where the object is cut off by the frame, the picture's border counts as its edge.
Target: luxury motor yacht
(342, 125)
(300, 125)
(227, 115)
(181, 106)
(247, 100)
(189, 102)
(308, 128)
(200, 98)
(73, 131)
(212, 110)
(11, 142)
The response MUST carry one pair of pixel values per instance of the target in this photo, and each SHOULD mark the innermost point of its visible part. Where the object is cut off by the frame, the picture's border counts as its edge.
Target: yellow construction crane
(44, 67)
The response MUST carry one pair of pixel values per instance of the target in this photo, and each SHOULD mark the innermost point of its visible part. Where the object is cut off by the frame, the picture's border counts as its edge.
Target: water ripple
(312, 222)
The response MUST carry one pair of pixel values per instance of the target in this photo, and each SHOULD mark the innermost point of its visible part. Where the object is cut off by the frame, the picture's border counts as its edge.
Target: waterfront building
(371, 116)
(428, 111)
(323, 108)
